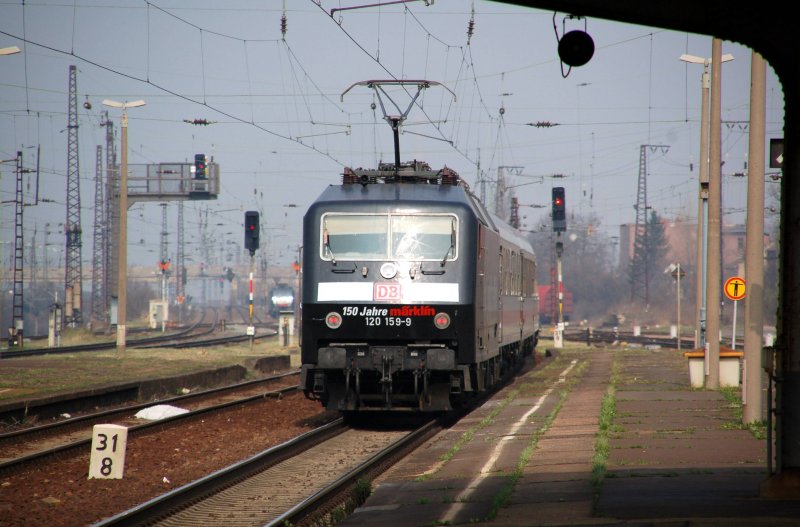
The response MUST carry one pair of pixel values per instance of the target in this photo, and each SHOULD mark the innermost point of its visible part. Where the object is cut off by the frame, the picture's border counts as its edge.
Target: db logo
(387, 292)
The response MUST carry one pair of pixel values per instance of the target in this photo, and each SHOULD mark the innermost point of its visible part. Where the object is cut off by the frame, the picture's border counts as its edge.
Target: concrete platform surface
(675, 455)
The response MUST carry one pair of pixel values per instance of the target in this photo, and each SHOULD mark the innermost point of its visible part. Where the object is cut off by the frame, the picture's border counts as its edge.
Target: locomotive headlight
(333, 320)
(388, 270)
(441, 320)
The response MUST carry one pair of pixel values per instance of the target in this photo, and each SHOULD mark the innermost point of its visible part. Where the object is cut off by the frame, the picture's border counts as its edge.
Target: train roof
(414, 181)
(511, 234)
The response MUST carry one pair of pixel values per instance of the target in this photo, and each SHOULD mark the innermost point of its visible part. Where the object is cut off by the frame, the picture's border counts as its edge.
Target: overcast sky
(281, 133)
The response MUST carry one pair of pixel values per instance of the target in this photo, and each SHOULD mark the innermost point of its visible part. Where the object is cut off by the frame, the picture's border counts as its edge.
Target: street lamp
(677, 273)
(702, 205)
(122, 281)
(10, 50)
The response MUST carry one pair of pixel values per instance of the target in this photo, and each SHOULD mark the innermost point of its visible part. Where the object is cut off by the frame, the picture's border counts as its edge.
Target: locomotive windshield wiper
(441, 264)
(452, 247)
(327, 244)
(449, 250)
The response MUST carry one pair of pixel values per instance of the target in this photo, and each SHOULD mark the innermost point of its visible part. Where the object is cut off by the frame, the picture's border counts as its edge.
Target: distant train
(548, 305)
(414, 296)
(280, 299)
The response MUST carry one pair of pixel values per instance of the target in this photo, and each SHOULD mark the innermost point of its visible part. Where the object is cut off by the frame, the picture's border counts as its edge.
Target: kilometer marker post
(109, 444)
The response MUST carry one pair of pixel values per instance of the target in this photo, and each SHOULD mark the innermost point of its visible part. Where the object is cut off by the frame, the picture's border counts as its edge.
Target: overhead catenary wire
(175, 94)
(465, 123)
(293, 63)
(376, 59)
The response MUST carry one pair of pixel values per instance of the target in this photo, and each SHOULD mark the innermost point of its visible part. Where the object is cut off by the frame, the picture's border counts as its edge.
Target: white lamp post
(702, 209)
(122, 249)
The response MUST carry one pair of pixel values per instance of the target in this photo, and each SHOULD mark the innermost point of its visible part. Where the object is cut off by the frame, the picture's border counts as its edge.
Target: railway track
(304, 481)
(168, 456)
(285, 485)
(218, 341)
(199, 327)
(184, 338)
(595, 336)
(21, 448)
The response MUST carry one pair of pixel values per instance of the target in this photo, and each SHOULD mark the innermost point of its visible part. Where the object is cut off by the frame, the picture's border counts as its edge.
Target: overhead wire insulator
(283, 25)
(203, 122)
(542, 124)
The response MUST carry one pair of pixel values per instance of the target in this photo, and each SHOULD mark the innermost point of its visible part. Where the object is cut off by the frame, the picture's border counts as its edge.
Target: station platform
(538, 453)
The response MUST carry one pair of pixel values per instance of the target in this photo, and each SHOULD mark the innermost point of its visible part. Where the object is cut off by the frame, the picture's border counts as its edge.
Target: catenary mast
(72, 227)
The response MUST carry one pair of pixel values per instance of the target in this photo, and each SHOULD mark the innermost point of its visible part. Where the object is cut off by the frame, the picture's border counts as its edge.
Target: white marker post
(109, 443)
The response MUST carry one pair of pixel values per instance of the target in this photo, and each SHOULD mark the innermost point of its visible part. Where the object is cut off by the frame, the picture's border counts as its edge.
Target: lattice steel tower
(112, 218)
(72, 282)
(98, 305)
(180, 266)
(33, 262)
(17, 311)
(164, 261)
(640, 264)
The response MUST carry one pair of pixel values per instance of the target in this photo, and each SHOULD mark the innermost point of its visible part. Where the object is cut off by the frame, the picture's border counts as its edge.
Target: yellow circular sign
(735, 288)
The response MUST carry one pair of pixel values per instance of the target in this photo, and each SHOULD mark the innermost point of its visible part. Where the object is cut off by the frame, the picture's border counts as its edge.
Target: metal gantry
(72, 227)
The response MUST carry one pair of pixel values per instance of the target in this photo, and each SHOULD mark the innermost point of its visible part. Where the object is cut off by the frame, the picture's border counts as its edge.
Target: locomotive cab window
(404, 236)
(420, 237)
(354, 237)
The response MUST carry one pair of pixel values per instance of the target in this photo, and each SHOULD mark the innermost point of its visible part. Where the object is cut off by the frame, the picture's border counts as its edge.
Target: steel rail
(176, 499)
(18, 463)
(332, 495)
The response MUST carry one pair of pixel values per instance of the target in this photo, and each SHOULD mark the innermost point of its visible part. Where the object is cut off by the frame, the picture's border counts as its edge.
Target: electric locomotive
(281, 300)
(414, 296)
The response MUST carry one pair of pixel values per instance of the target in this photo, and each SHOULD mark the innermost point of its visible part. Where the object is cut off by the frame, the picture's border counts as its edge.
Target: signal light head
(559, 210)
(251, 219)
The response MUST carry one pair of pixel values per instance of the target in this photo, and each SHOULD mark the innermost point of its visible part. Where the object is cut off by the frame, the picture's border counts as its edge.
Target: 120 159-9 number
(388, 321)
